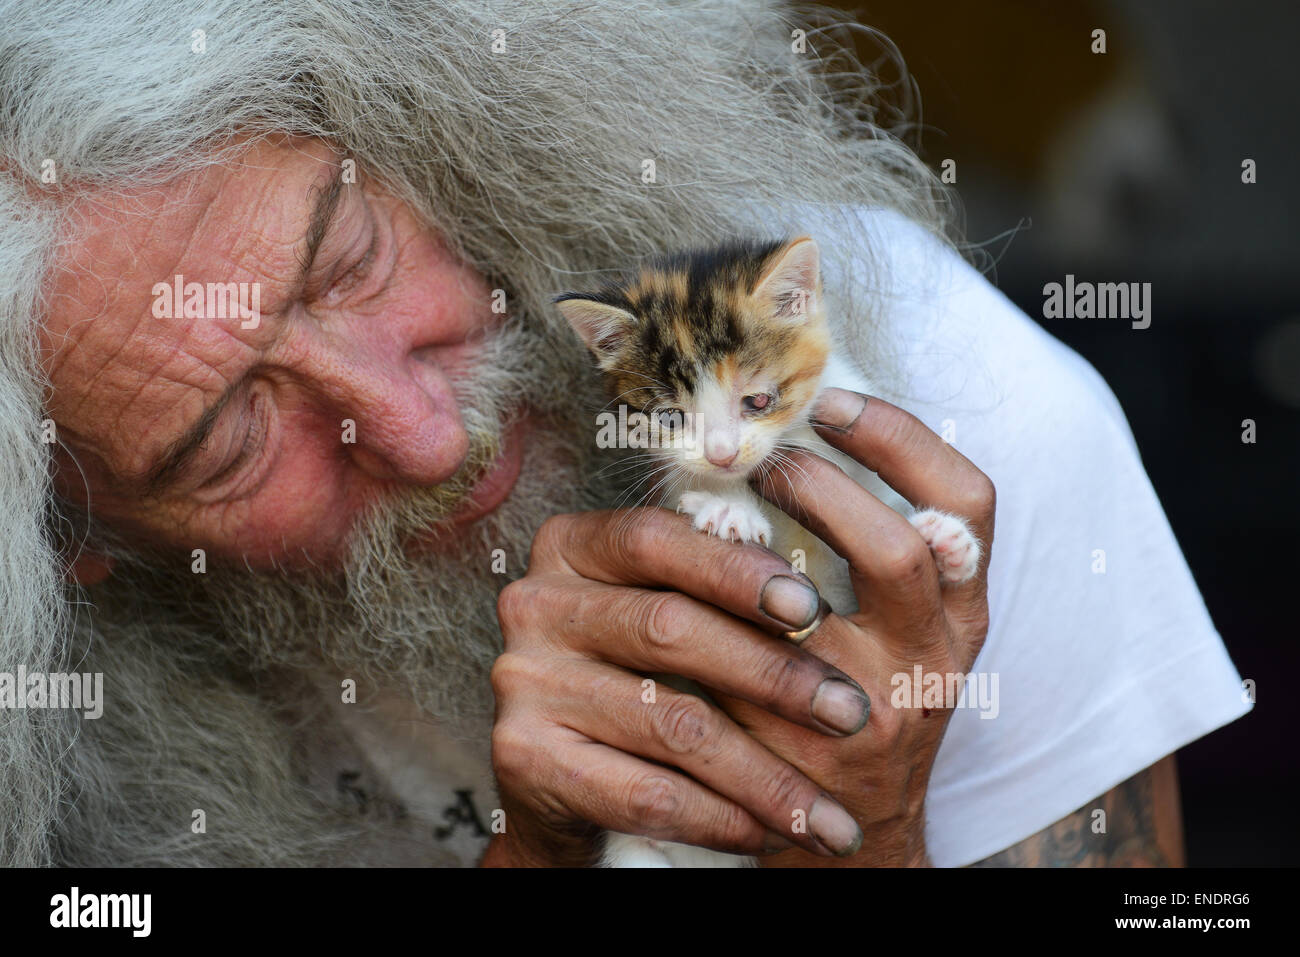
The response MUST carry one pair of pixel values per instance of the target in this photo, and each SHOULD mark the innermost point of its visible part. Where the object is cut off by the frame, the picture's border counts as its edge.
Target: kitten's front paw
(734, 519)
(956, 551)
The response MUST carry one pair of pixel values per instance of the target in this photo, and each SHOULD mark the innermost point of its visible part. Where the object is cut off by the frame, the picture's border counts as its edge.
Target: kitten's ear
(790, 286)
(601, 326)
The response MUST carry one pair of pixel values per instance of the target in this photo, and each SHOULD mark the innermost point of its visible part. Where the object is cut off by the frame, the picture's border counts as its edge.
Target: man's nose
(406, 426)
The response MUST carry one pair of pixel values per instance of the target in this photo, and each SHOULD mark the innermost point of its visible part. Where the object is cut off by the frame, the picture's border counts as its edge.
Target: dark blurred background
(1126, 166)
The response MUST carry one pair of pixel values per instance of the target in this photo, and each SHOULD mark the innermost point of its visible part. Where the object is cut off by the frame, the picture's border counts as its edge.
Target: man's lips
(497, 483)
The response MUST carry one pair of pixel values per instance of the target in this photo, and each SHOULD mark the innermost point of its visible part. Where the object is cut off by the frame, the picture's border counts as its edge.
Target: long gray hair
(545, 140)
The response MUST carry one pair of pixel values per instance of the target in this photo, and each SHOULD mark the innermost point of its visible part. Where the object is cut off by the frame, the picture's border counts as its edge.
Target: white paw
(734, 519)
(627, 850)
(956, 551)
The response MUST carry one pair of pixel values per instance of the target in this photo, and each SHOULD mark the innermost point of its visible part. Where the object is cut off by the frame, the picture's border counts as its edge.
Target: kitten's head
(727, 344)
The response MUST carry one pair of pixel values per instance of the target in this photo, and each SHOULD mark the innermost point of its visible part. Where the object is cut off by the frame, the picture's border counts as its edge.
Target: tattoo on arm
(1142, 827)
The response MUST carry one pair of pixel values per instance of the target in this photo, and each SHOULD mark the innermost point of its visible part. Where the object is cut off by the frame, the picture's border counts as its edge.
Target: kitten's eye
(757, 403)
(670, 418)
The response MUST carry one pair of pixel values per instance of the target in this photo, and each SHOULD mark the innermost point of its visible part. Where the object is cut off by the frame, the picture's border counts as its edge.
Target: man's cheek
(301, 512)
(304, 515)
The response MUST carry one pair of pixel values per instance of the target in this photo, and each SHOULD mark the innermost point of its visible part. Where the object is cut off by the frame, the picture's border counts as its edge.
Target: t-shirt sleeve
(1104, 656)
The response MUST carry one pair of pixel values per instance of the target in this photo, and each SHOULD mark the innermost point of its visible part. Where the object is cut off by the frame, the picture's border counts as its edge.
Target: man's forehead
(102, 342)
(244, 215)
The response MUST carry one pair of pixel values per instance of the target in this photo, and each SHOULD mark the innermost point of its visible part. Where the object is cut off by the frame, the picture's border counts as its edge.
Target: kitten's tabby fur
(738, 336)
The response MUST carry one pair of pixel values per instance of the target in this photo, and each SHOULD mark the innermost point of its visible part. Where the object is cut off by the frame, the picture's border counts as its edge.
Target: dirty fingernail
(789, 601)
(839, 705)
(831, 825)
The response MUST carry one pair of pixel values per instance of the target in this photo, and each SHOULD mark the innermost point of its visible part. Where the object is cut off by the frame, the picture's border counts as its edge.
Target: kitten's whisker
(783, 468)
(784, 459)
(635, 462)
(625, 473)
(659, 480)
(787, 467)
(672, 479)
(634, 510)
(783, 464)
(631, 490)
(666, 479)
(674, 482)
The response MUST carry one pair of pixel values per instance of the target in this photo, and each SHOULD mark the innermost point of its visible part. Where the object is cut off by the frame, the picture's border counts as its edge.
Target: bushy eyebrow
(181, 452)
(322, 215)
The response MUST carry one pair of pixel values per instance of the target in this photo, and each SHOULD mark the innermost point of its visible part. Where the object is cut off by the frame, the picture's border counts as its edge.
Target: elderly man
(298, 457)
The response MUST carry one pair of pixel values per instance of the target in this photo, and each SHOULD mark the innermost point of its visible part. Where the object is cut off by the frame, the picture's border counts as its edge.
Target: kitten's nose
(720, 457)
(721, 445)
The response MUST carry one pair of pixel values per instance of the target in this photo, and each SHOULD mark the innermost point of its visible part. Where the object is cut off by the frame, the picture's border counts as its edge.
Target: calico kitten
(725, 350)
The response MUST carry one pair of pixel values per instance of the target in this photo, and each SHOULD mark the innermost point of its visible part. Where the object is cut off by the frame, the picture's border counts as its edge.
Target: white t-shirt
(1105, 655)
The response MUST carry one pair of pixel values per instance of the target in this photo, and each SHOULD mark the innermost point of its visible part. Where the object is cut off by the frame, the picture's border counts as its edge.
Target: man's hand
(904, 618)
(583, 741)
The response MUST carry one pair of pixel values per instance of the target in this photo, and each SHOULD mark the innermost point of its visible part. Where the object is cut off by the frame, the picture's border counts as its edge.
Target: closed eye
(231, 479)
(357, 222)
(354, 275)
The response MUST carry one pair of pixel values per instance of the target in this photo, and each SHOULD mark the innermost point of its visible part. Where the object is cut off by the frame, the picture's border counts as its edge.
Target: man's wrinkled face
(262, 441)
